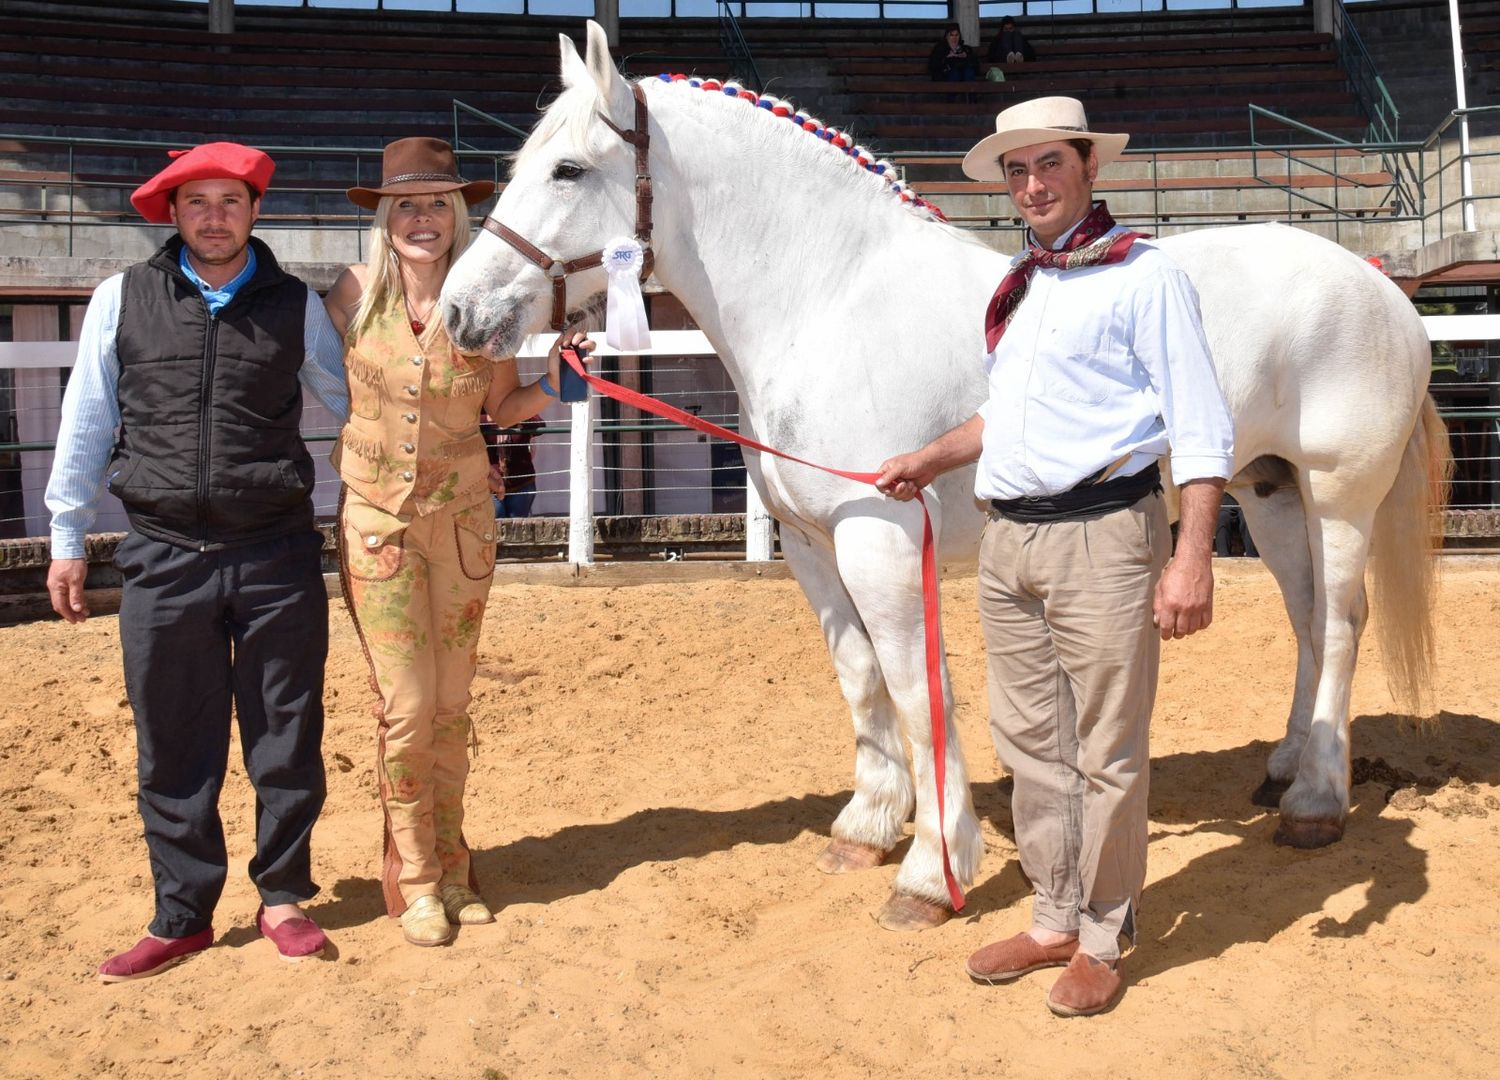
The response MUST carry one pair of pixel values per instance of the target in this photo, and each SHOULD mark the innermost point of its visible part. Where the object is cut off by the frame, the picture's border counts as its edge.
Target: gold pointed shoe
(426, 923)
(464, 906)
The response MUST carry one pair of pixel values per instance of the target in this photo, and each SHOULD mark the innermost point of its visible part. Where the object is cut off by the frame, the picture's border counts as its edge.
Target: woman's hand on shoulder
(343, 298)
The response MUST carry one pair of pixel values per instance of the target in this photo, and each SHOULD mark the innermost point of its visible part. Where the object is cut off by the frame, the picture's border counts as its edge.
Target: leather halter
(559, 270)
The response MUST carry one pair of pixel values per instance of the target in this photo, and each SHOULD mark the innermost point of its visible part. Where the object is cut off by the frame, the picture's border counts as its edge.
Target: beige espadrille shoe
(426, 923)
(464, 906)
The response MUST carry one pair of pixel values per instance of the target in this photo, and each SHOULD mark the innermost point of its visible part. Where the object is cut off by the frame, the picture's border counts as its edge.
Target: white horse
(850, 323)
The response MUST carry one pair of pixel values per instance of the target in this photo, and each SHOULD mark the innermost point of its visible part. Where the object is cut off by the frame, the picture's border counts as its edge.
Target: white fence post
(581, 483)
(759, 542)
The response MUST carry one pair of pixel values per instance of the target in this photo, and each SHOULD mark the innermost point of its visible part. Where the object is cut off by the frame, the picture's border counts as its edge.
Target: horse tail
(1408, 534)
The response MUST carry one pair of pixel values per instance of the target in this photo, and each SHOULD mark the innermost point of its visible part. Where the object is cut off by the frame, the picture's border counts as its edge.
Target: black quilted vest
(210, 454)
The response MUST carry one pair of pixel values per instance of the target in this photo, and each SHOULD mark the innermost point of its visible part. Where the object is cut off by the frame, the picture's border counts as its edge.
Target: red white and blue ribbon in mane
(835, 138)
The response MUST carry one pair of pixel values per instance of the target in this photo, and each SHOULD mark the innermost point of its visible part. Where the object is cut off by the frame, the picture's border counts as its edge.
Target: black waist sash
(1085, 500)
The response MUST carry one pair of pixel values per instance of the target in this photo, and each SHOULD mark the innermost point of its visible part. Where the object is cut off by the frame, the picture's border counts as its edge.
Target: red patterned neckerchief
(1088, 246)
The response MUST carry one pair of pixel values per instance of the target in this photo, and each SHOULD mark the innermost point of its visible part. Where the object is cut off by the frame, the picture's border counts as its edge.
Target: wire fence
(641, 465)
(647, 466)
(1466, 383)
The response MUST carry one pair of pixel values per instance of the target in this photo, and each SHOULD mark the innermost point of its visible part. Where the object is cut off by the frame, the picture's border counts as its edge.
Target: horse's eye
(566, 170)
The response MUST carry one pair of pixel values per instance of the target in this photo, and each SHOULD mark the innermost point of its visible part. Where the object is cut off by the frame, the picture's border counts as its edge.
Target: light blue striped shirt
(90, 423)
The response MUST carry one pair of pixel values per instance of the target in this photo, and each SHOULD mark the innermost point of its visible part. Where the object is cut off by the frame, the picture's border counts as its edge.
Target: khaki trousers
(417, 594)
(1072, 662)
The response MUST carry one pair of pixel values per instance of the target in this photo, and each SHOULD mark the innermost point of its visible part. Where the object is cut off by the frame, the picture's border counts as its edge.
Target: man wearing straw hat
(1097, 366)
(186, 399)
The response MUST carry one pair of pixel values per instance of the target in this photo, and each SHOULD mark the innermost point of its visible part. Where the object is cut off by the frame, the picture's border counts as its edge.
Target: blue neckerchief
(217, 298)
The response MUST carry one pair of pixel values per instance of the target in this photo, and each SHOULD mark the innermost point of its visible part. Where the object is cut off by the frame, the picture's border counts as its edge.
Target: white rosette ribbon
(625, 325)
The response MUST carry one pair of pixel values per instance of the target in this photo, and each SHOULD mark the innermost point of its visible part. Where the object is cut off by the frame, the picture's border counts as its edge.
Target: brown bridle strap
(640, 138)
(559, 270)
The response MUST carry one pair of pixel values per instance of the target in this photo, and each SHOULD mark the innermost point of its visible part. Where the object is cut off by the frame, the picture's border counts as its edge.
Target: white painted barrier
(759, 536)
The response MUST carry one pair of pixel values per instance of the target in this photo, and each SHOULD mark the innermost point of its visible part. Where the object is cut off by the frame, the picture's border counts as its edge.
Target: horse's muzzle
(488, 328)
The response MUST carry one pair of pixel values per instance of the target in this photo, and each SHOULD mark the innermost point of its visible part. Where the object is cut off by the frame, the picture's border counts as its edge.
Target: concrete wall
(1410, 44)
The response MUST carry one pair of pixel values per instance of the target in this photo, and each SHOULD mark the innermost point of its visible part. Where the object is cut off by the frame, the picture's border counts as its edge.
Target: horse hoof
(1270, 792)
(904, 913)
(843, 856)
(1307, 834)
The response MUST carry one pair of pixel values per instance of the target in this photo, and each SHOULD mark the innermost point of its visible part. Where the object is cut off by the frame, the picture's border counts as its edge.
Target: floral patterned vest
(412, 443)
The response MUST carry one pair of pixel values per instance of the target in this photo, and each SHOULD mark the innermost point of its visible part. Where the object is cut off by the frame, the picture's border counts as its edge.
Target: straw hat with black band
(1040, 120)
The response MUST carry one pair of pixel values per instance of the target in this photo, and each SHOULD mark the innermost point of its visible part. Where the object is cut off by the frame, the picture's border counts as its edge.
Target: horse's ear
(612, 87)
(574, 73)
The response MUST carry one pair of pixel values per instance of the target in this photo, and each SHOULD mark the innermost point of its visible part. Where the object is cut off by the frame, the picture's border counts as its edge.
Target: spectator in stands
(1078, 583)
(510, 454)
(951, 60)
(197, 358)
(416, 527)
(1010, 45)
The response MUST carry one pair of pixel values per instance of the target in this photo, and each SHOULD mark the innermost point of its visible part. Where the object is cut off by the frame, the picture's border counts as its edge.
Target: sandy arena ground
(660, 765)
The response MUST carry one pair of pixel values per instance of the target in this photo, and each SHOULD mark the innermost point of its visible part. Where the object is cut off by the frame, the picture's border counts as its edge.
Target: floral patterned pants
(417, 590)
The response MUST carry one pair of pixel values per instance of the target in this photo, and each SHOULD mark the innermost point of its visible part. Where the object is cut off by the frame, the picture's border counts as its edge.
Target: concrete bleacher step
(251, 101)
(1186, 61)
(230, 61)
(1184, 189)
(937, 106)
(1187, 85)
(1230, 127)
(352, 78)
(1244, 70)
(1089, 49)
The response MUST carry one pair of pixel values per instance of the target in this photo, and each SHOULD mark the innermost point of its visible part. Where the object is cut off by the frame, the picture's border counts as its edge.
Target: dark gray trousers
(199, 631)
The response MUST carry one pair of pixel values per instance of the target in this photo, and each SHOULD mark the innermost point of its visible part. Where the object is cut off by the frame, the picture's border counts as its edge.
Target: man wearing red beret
(187, 398)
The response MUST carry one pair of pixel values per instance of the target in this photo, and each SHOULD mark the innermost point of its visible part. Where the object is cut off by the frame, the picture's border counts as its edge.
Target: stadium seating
(361, 78)
(292, 78)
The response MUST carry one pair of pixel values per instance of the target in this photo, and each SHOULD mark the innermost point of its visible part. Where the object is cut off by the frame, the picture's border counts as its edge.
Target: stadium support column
(1322, 13)
(966, 14)
(607, 15)
(1461, 102)
(221, 16)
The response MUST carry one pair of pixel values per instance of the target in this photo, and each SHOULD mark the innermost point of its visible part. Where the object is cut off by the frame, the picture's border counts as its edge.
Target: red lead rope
(645, 403)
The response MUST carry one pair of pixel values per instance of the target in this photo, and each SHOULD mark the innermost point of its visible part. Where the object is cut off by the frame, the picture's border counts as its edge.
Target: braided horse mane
(575, 112)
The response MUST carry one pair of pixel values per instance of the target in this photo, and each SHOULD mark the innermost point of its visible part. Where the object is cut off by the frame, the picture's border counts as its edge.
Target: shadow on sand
(1246, 889)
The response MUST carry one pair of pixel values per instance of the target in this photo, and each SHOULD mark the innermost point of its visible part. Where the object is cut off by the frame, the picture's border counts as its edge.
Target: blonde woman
(417, 525)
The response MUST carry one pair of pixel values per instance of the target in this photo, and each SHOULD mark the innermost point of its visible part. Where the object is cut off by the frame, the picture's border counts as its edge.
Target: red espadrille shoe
(151, 956)
(295, 939)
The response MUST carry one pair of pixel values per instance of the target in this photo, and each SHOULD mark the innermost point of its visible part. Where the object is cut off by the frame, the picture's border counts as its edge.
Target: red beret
(211, 161)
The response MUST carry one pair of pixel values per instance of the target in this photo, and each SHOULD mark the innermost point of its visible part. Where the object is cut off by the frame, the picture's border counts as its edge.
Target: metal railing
(732, 40)
(1402, 196)
(1369, 88)
(734, 54)
(1446, 173)
(641, 466)
(637, 464)
(1424, 186)
(72, 183)
(83, 193)
(1331, 183)
(462, 109)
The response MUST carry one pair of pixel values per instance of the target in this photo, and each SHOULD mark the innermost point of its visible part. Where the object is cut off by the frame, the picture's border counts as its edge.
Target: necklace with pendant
(418, 322)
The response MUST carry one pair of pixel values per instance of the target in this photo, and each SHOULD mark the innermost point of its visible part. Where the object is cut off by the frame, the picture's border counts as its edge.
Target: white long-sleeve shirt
(1097, 363)
(90, 422)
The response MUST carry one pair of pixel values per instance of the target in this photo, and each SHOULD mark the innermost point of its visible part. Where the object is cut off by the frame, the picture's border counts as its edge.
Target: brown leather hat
(420, 166)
